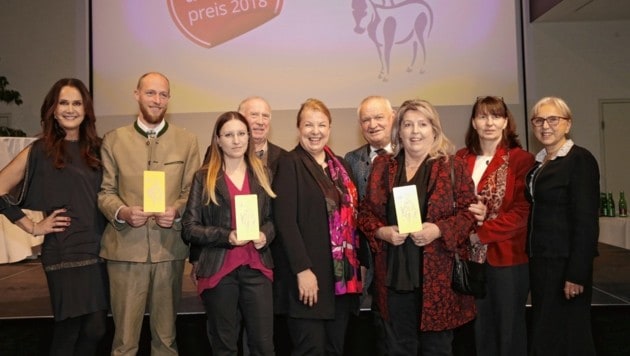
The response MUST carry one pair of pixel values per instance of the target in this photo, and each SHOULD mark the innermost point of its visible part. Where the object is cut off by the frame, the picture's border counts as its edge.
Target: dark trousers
(244, 293)
(402, 331)
(436, 343)
(559, 326)
(321, 336)
(80, 335)
(500, 327)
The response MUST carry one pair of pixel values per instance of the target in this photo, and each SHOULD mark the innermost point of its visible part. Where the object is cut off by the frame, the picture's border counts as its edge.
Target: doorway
(615, 145)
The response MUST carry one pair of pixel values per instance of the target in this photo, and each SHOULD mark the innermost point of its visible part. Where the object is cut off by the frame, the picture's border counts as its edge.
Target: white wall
(41, 42)
(581, 62)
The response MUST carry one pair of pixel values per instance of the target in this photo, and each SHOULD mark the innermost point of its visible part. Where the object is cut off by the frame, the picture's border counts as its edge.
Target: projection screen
(217, 52)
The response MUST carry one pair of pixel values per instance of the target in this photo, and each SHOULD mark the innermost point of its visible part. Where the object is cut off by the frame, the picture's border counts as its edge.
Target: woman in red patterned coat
(412, 272)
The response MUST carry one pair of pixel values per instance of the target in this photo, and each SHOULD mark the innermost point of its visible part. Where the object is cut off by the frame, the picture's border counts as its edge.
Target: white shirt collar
(373, 150)
(563, 151)
(146, 129)
(387, 148)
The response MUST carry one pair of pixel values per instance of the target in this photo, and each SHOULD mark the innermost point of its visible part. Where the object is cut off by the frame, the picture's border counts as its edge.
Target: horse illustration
(393, 22)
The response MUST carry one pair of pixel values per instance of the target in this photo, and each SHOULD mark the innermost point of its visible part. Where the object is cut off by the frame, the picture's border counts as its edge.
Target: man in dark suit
(376, 118)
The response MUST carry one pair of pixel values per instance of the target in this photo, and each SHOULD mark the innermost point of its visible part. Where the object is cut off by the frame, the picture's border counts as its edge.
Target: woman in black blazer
(563, 188)
(315, 217)
(234, 276)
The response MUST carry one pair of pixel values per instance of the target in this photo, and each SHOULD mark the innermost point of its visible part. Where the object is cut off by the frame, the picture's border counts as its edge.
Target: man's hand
(133, 215)
(166, 219)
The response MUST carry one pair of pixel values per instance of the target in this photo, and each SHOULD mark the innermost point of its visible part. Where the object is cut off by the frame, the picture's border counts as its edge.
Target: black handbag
(468, 277)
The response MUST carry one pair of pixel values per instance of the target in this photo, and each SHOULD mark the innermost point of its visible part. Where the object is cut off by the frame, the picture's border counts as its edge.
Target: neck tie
(260, 153)
(380, 151)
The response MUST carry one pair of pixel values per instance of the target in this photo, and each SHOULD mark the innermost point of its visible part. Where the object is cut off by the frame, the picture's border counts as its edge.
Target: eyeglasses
(231, 135)
(553, 121)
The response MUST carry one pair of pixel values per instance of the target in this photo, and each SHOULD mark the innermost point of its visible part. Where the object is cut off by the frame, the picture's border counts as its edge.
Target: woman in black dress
(62, 176)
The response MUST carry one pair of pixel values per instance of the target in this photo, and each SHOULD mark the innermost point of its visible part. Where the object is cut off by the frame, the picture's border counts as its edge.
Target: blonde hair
(558, 103)
(442, 146)
(216, 158)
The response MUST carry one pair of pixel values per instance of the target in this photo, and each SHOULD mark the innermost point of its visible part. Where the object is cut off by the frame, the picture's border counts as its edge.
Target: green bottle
(611, 205)
(623, 206)
(603, 204)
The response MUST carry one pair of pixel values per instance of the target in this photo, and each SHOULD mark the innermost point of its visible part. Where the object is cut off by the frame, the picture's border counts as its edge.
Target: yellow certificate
(246, 208)
(407, 209)
(154, 192)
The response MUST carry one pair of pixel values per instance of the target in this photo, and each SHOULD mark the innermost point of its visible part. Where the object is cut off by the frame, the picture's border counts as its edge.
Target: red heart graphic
(209, 23)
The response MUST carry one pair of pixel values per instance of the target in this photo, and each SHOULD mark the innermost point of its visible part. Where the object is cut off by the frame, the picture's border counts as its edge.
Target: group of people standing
(328, 230)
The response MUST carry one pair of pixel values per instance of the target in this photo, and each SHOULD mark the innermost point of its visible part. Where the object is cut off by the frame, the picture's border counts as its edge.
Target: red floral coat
(442, 307)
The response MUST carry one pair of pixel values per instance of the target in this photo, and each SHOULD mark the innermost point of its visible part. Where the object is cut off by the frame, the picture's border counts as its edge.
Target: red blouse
(240, 255)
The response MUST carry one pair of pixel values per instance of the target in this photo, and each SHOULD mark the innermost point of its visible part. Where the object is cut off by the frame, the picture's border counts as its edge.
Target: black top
(302, 239)
(564, 218)
(75, 188)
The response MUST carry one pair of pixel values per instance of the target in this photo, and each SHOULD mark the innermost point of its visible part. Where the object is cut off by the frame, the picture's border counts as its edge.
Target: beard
(151, 118)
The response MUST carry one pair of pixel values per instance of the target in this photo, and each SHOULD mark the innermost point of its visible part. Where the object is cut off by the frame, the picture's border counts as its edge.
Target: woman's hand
(261, 242)
(307, 287)
(53, 223)
(428, 234)
(390, 234)
(479, 210)
(234, 241)
(572, 290)
(193, 273)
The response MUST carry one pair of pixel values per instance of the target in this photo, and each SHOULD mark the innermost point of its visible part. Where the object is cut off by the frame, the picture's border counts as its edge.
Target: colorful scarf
(341, 207)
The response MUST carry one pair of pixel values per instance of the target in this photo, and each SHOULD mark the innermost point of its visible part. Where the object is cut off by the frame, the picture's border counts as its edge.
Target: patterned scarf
(341, 206)
(492, 195)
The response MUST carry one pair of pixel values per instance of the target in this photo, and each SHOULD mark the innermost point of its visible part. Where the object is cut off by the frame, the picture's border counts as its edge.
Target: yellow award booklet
(154, 192)
(407, 209)
(246, 208)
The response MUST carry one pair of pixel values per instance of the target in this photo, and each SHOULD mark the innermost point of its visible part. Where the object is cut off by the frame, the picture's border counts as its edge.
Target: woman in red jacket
(412, 272)
(498, 166)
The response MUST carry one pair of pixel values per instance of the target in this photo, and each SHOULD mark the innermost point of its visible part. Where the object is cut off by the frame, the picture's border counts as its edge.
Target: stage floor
(24, 294)
(26, 322)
